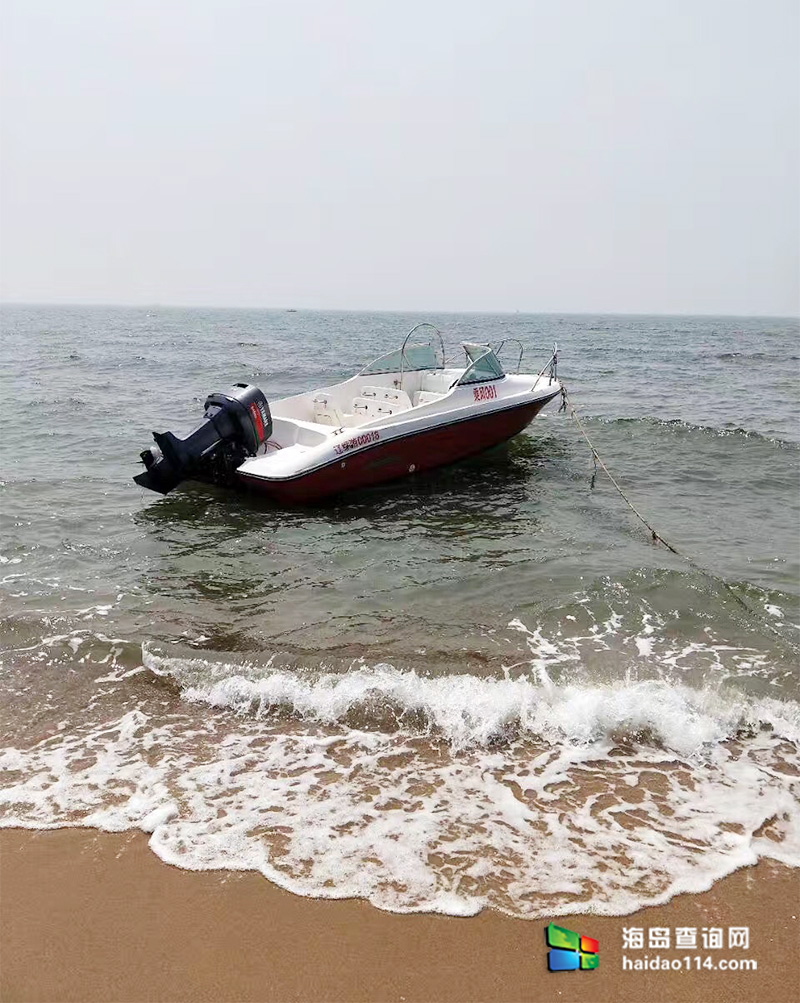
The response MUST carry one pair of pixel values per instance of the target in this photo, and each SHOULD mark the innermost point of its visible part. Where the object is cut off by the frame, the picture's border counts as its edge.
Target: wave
(753, 357)
(412, 825)
(678, 424)
(432, 794)
(467, 710)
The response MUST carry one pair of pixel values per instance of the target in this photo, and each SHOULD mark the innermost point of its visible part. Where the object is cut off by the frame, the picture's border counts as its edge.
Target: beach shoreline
(87, 916)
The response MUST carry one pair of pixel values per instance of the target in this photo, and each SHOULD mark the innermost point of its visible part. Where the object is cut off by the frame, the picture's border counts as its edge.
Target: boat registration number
(359, 440)
(484, 393)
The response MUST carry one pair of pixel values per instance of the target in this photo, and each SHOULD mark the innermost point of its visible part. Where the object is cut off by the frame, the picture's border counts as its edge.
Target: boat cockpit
(414, 376)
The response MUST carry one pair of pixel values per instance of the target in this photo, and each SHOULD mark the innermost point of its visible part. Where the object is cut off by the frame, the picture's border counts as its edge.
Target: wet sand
(91, 916)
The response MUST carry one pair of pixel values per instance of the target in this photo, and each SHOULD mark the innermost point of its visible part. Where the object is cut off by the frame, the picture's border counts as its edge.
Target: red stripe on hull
(387, 461)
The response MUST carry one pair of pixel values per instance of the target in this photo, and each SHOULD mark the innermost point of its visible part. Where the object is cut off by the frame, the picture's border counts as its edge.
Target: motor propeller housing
(234, 426)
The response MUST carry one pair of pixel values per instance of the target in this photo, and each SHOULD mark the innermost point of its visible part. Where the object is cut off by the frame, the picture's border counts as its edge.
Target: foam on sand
(448, 794)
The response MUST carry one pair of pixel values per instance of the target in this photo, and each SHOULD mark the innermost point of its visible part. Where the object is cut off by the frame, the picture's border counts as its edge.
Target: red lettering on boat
(484, 393)
(365, 439)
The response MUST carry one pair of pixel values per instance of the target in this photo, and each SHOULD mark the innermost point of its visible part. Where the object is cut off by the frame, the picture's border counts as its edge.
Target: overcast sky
(533, 155)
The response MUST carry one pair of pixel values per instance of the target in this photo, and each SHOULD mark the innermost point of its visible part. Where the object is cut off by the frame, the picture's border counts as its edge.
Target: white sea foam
(444, 794)
(471, 710)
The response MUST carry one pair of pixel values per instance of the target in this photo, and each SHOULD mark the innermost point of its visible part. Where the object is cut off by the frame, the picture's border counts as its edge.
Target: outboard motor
(234, 425)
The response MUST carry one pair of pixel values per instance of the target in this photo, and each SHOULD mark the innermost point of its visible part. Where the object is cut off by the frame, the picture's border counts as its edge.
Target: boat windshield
(484, 365)
(410, 359)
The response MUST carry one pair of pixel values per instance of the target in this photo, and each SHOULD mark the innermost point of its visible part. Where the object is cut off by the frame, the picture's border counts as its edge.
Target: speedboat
(405, 412)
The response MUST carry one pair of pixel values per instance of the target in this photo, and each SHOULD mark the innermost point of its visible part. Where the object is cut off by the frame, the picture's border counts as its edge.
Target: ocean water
(484, 687)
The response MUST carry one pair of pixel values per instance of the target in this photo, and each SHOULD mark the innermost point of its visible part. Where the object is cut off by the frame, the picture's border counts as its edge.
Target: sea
(484, 687)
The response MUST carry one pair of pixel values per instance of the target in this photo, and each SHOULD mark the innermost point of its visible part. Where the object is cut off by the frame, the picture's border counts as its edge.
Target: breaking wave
(467, 710)
(418, 793)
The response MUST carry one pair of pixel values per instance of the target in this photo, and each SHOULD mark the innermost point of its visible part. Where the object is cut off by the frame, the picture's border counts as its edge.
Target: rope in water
(566, 404)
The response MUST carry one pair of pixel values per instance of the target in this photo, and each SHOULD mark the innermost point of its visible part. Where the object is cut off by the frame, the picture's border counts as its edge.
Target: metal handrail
(415, 328)
(521, 350)
(551, 364)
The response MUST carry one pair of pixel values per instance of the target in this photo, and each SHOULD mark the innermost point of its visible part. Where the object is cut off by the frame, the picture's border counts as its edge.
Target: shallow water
(483, 686)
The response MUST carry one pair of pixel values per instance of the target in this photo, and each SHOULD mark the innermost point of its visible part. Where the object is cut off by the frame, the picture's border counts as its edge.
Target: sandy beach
(91, 916)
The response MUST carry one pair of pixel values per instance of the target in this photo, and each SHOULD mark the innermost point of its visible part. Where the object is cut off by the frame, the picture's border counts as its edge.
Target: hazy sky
(541, 155)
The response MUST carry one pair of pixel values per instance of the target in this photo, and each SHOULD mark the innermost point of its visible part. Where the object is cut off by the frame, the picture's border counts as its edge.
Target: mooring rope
(566, 404)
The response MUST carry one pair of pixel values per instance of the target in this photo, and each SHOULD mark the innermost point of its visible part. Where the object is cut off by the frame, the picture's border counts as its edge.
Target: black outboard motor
(234, 425)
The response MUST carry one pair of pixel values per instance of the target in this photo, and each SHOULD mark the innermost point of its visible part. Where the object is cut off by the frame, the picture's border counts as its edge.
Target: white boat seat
(324, 411)
(426, 397)
(292, 430)
(437, 383)
(398, 399)
(370, 408)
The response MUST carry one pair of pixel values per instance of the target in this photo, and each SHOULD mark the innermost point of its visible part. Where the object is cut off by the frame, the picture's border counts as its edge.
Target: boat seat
(288, 431)
(426, 397)
(437, 383)
(370, 408)
(398, 399)
(324, 411)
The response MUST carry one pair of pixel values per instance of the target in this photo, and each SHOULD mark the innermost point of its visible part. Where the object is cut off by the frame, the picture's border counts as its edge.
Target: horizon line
(388, 310)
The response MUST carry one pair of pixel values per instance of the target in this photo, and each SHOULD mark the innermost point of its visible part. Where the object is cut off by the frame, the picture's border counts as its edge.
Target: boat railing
(550, 367)
(413, 330)
(516, 341)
